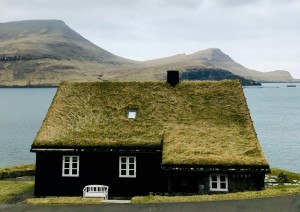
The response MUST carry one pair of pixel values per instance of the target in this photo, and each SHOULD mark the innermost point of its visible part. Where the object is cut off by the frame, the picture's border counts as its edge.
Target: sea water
(274, 108)
(22, 111)
(275, 111)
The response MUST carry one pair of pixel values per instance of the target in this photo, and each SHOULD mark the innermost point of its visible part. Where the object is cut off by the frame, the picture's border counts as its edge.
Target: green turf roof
(201, 123)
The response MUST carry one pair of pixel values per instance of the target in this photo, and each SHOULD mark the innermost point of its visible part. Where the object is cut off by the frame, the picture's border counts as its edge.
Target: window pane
(70, 165)
(222, 178)
(131, 172)
(214, 178)
(131, 114)
(131, 160)
(127, 166)
(74, 171)
(223, 185)
(214, 185)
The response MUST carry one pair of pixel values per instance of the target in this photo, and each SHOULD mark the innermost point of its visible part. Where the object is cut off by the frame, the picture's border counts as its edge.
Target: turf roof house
(141, 137)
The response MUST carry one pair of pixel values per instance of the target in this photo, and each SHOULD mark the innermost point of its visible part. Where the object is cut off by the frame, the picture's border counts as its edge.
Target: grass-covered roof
(201, 123)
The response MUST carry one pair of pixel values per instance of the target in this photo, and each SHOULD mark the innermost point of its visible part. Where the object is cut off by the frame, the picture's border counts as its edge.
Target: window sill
(70, 175)
(127, 176)
(222, 190)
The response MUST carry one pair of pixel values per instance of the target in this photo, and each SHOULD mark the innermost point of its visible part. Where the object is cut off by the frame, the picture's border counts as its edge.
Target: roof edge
(218, 168)
(95, 149)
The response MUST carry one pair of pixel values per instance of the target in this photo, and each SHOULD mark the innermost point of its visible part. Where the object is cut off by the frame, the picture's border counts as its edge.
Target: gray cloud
(234, 3)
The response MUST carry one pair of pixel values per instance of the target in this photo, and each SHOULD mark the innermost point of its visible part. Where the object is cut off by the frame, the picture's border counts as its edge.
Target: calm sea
(22, 111)
(275, 111)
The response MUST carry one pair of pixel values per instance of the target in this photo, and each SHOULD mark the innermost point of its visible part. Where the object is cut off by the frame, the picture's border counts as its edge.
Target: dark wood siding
(188, 182)
(102, 168)
(198, 182)
(98, 168)
(245, 182)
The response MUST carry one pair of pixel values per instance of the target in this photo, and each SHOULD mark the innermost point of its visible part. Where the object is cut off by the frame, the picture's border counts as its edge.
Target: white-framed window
(127, 166)
(70, 166)
(218, 182)
(132, 114)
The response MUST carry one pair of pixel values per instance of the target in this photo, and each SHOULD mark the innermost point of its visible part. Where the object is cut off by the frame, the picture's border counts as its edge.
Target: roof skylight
(131, 114)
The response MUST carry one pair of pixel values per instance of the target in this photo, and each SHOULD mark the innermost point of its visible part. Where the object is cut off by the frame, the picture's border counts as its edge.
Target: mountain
(46, 52)
(215, 59)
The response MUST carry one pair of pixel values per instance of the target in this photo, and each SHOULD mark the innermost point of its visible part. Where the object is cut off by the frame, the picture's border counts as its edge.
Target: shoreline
(21, 86)
(55, 86)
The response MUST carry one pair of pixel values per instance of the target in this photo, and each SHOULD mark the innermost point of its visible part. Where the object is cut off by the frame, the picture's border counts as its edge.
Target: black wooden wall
(98, 168)
(102, 168)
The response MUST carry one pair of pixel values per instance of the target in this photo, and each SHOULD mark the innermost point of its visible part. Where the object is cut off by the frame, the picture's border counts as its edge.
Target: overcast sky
(260, 34)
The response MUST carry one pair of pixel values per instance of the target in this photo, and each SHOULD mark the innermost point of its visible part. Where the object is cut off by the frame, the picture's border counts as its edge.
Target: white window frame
(125, 161)
(218, 181)
(71, 165)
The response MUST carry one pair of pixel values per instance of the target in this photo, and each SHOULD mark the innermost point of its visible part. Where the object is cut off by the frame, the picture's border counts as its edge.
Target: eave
(97, 149)
(218, 168)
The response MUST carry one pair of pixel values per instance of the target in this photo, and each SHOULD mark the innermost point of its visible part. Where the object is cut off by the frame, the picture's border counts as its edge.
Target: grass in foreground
(269, 192)
(17, 171)
(18, 167)
(291, 175)
(8, 189)
(63, 201)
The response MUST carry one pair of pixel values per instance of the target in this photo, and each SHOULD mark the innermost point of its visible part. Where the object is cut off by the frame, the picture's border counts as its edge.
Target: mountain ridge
(46, 52)
(49, 34)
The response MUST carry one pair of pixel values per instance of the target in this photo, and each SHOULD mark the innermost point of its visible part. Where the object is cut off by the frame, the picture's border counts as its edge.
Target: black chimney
(173, 77)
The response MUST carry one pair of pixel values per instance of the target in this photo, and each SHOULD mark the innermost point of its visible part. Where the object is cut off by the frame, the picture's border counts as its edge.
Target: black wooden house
(141, 137)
